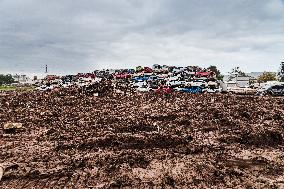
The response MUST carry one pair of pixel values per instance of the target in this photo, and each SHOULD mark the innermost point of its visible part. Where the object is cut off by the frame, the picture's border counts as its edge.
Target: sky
(84, 35)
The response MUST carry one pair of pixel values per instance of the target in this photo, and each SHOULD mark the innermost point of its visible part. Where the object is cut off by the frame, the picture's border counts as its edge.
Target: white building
(21, 78)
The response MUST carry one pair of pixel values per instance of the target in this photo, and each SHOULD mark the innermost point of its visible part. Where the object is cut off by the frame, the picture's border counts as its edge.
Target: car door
(278, 90)
(274, 90)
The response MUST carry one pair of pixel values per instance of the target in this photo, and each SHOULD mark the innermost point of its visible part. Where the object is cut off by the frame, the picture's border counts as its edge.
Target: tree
(281, 72)
(266, 76)
(236, 72)
(214, 69)
(6, 79)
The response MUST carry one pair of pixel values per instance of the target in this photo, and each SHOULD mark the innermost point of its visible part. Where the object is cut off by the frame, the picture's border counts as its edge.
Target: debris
(11, 126)
(1, 172)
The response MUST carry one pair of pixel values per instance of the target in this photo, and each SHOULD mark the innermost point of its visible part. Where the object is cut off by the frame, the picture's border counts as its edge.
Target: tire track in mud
(73, 181)
(42, 183)
(66, 182)
(24, 184)
(81, 182)
(61, 182)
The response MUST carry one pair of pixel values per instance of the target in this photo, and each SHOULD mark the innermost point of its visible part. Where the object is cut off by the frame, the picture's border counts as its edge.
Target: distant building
(244, 81)
(21, 78)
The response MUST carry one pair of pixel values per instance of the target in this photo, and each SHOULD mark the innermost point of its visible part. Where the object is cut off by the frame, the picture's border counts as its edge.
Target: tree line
(264, 77)
(6, 79)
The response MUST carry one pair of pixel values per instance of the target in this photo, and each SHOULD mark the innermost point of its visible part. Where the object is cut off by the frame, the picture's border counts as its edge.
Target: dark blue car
(140, 78)
(192, 89)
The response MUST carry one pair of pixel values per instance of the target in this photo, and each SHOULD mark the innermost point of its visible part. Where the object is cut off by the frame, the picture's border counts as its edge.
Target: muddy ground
(141, 141)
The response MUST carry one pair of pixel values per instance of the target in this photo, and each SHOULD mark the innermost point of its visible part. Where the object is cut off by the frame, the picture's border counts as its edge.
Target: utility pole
(281, 72)
(236, 74)
(46, 69)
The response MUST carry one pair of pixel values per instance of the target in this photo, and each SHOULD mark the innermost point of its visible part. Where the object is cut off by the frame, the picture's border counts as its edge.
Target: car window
(273, 87)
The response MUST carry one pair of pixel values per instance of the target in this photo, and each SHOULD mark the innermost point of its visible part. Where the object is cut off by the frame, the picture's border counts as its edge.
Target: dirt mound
(74, 139)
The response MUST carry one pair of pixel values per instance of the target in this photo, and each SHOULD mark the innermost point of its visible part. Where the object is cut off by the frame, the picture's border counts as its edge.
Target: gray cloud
(79, 36)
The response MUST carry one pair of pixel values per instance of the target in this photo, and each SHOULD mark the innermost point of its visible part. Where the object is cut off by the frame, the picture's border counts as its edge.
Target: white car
(261, 91)
(212, 87)
(66, 85)
(176, 83)
(178, 89)
(44, 88)
(213, 90)
(143, 89)
(138, 84)
(199, 83)
(178, 69)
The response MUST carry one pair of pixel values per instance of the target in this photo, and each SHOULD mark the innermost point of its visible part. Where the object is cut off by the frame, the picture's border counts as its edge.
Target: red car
(164, 90)
(122, 76)
(204, 74)
(147, 70)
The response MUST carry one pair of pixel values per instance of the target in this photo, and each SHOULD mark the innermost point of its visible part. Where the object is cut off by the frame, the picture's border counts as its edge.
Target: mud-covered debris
(12, 126)
(1, 172)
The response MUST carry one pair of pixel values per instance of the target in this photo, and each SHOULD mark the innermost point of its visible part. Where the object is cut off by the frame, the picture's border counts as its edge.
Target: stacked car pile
(144, 79)
(185, 79)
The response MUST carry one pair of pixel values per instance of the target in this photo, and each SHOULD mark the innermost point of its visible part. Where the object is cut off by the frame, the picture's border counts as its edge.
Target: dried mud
(72, 140)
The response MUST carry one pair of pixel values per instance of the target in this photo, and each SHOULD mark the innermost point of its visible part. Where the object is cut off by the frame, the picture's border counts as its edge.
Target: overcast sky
(83, 35)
